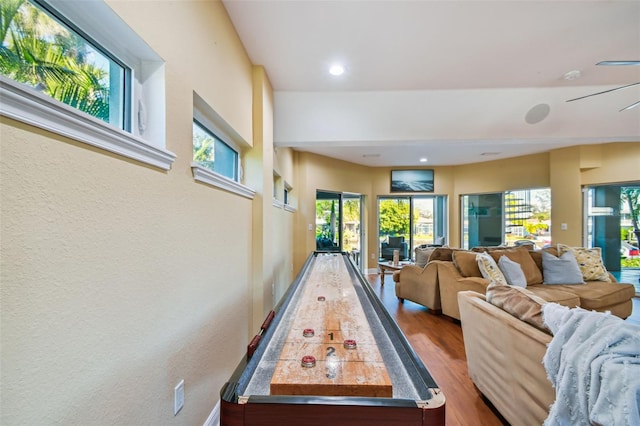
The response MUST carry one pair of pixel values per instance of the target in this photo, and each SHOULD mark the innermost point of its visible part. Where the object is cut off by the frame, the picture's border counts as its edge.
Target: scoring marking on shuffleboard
(330, 307)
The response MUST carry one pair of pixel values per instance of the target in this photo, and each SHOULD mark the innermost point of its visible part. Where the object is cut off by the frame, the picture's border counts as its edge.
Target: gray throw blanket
(593, 362)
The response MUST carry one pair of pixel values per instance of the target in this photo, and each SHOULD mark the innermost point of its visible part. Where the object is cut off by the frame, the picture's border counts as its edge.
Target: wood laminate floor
(438, 341)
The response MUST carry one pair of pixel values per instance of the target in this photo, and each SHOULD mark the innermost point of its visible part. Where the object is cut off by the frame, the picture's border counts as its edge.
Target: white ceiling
(447, 80)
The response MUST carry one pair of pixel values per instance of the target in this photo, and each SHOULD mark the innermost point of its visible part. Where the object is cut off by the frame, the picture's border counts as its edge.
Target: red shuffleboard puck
(308, 361)
(350, 344)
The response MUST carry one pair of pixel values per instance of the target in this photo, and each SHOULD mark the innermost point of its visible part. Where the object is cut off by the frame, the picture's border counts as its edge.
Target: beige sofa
(462, 274)
(419, 282)
(504, 356)
(419, 285)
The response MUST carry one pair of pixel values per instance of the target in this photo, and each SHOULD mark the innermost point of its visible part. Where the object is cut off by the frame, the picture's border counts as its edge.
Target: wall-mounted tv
(412, 180)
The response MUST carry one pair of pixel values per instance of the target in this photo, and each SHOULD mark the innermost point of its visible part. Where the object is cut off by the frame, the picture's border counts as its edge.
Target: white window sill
(24, 104)
(204, 175)
(277, 203)
(289, 208)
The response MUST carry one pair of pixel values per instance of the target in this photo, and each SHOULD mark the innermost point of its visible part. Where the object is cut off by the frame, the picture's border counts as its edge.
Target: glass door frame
(439, 218)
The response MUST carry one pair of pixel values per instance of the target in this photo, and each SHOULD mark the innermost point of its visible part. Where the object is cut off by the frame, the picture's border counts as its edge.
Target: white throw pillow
(512, 271)
(489, 269)
(422, 255)
(561, 270)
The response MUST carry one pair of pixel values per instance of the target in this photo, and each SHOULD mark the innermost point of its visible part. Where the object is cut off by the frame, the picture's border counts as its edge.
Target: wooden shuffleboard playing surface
(327, 316)
(330, 353)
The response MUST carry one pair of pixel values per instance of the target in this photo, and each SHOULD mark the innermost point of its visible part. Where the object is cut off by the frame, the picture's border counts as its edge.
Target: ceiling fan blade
(630, 106)
(604, 91)
(618, 63)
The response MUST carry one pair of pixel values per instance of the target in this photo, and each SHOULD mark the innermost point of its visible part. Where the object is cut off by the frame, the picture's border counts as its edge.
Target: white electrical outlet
(178, 397)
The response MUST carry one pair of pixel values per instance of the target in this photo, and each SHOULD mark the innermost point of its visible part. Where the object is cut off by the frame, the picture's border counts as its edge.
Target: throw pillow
(422, 255)
(466, 263)
(489, 269)
(561, 270)
(512, 271)
(519, 302)
(590, 262)
(521, 255)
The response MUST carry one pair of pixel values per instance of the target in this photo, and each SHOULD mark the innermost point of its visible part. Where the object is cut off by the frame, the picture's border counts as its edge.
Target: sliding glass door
(415, 220)
(482, 220)
(353, 232)
(328, 221)
(612, 216)
(338, 223)
(506, 218)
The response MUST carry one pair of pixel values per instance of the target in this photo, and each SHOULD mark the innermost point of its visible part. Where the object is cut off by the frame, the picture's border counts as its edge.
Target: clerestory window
(77, 69)
(216, 151)
(42, 51)
(212, 153)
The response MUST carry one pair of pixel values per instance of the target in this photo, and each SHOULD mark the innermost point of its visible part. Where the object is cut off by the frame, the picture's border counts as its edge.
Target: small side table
(389, 266)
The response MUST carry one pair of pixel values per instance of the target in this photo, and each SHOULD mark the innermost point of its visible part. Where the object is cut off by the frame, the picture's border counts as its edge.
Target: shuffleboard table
(330, 354)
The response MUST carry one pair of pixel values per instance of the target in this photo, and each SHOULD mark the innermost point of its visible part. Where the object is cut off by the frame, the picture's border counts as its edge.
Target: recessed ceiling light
(336, 69)
(423, 160)
(370, 155)
(490, 153)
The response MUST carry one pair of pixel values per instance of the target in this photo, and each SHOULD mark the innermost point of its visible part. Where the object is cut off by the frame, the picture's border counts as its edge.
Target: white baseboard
(214, 416)
(372, 271)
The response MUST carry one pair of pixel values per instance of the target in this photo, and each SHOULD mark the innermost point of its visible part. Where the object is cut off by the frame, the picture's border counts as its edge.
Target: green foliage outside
(39, 52)
(631, 197)
(203, 147)
(323, 213)
(351, 212)
(394, 218)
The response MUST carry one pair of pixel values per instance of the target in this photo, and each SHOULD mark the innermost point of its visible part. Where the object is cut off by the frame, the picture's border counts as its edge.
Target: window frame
(210, 120)
(107, 32)
(204, 126)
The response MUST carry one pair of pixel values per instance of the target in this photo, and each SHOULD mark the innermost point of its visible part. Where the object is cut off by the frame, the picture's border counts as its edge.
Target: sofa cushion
(442, 253)
(521, 255)
(561, 270)
(556, 293)
(512, 271)
(489, 269)
(519, 302)
(466, 263)
(600, 295)
(422, 255)
(589, 261)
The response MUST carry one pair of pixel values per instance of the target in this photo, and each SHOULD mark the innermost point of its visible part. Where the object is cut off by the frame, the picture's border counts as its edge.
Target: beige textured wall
(272, 226)
(118, 280)
(566, 196)
(616, 162)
